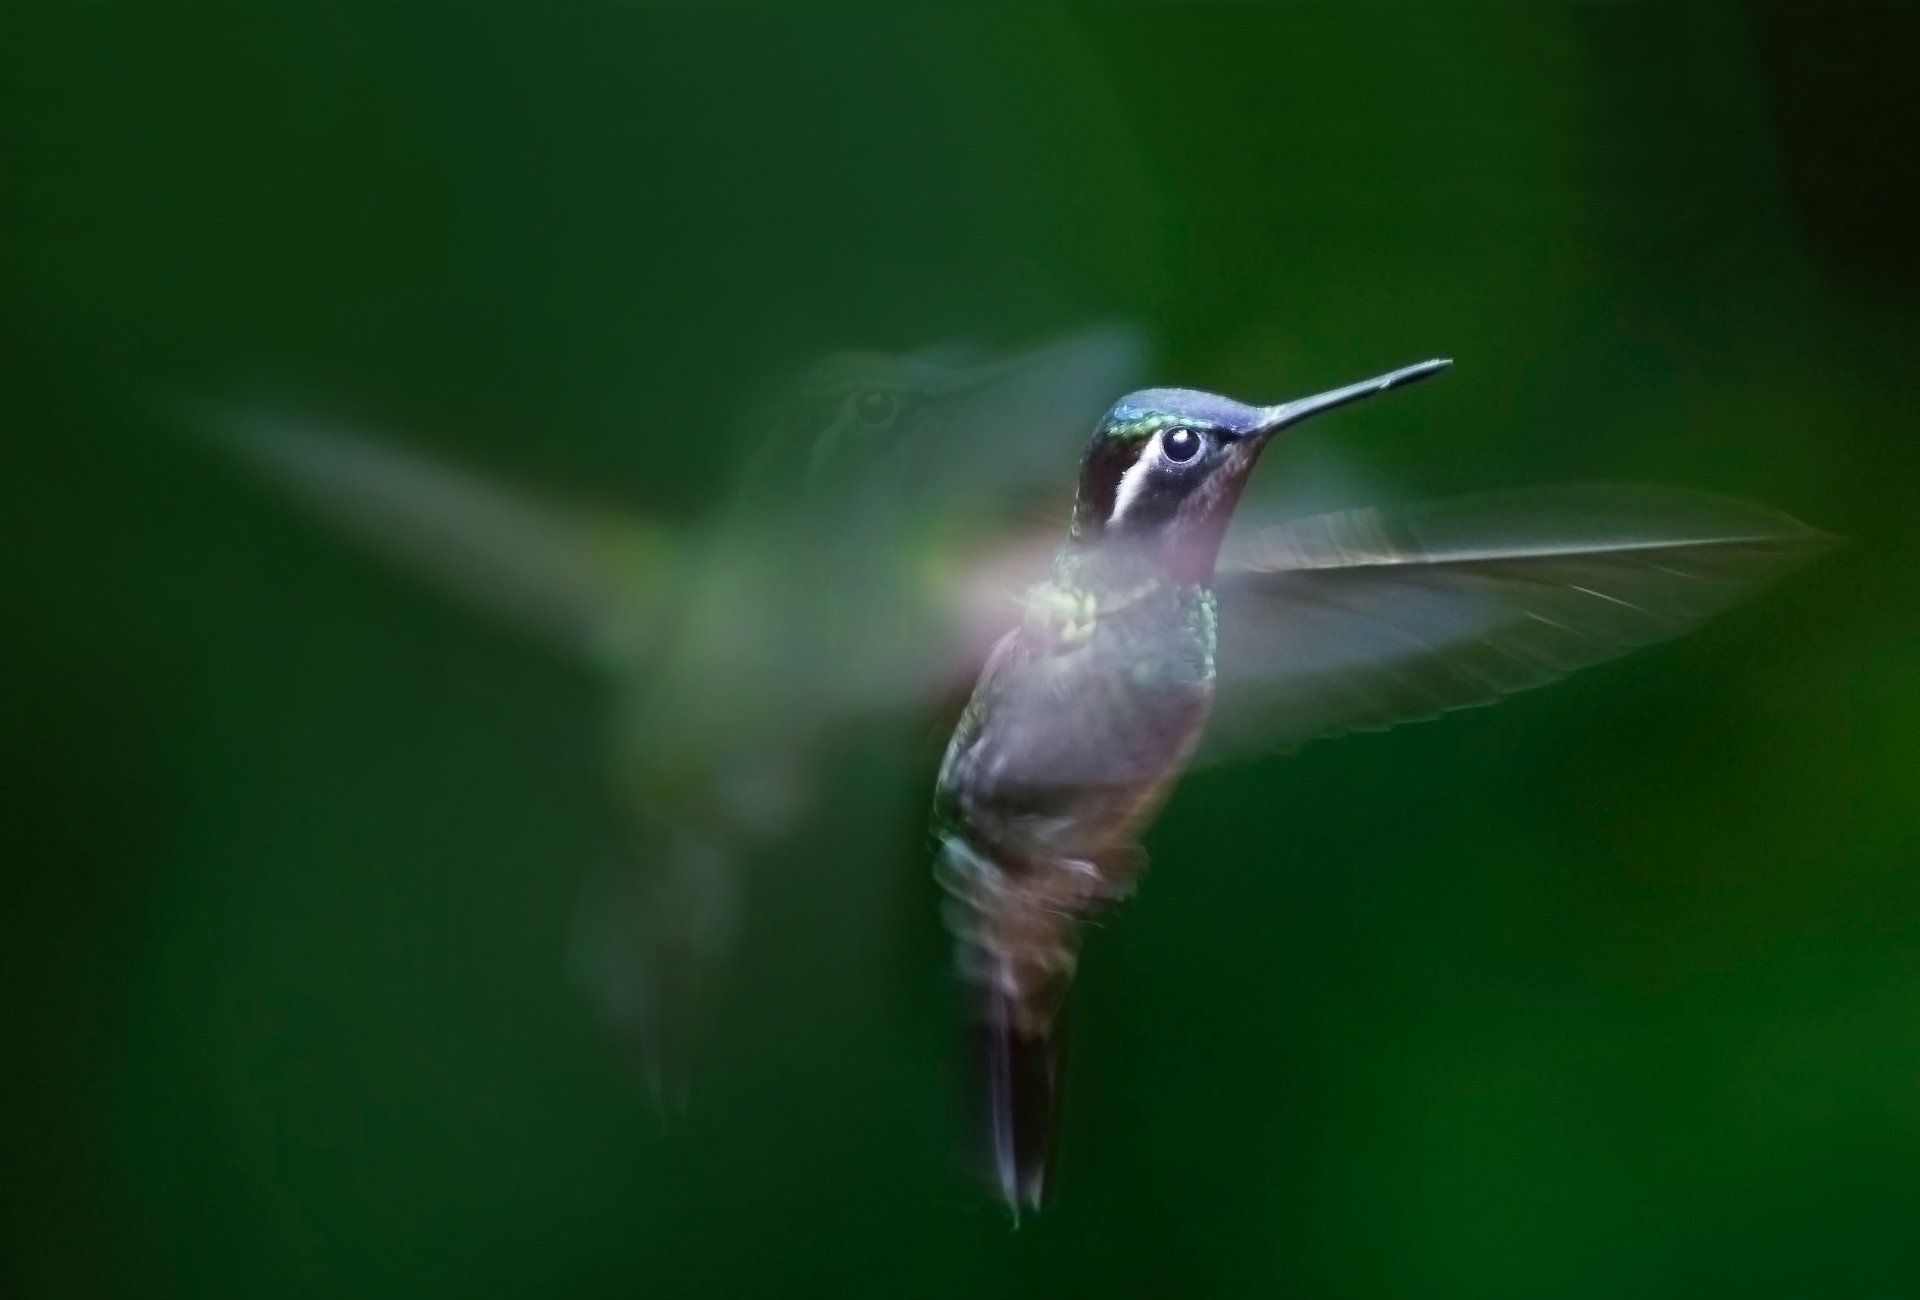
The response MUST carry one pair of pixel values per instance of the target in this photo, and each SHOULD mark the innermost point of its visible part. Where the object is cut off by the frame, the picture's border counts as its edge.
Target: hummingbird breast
(1081, 722)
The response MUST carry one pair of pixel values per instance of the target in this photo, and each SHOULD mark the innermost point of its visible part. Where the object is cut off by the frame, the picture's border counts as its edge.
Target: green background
(1612, 990)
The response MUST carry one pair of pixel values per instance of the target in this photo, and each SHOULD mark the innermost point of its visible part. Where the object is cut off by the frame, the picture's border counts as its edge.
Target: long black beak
(1276, 418)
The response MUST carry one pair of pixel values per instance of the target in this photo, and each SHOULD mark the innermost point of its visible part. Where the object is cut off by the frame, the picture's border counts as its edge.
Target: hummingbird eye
(875, 406)
(1180, 445)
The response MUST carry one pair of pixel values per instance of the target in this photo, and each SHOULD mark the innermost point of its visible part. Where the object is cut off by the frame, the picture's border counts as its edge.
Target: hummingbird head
(1166, 467)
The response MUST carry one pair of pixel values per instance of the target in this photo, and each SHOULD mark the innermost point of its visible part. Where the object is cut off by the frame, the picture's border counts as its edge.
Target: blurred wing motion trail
(1363, 619)
(573, 578)
(731, 662)
(590, 585)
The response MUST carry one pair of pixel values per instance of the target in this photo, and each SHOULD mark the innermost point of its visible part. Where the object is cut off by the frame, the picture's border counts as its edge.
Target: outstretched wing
(1360, 620)
(573, 578)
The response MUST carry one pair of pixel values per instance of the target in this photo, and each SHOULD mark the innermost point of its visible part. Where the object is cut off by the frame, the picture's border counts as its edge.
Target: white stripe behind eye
(1134, 481)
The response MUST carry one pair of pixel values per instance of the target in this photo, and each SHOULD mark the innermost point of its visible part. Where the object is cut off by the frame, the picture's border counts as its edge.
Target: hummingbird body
(1111, 684)
(1083, 718)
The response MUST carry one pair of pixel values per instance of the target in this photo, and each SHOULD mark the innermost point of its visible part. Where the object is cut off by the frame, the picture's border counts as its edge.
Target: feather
(1363, 619)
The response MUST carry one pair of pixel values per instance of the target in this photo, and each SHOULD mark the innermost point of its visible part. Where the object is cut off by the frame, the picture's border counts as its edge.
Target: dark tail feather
(1020, 1062)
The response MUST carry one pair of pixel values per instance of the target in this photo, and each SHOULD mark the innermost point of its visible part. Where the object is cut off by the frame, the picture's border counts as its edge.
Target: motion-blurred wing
(575, 580)
(1013, 429)
(1360, 620)
(995, 487)
(933, 523)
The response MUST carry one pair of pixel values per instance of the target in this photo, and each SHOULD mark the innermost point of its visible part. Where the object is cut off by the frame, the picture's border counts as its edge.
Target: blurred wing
(1360, 620)
(1015, 429)
(575, 580)
(934, 532)
(995, 488)
(978, 600)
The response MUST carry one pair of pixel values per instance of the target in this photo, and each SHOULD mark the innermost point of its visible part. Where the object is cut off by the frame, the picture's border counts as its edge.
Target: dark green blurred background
(1613, 990)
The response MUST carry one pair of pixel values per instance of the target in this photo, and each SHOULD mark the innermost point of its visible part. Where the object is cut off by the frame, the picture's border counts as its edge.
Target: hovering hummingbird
(843, 576)
(1088, 711)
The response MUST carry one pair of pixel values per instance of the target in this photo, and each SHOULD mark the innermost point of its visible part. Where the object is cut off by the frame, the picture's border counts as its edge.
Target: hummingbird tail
(1020, 1048)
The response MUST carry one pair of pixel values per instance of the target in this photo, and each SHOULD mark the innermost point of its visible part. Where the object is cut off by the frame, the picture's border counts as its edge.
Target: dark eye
(875, 406)
(1180, 445)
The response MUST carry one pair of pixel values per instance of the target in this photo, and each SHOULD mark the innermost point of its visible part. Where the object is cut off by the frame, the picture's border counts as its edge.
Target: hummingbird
(843, 575)
(1089, 710)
